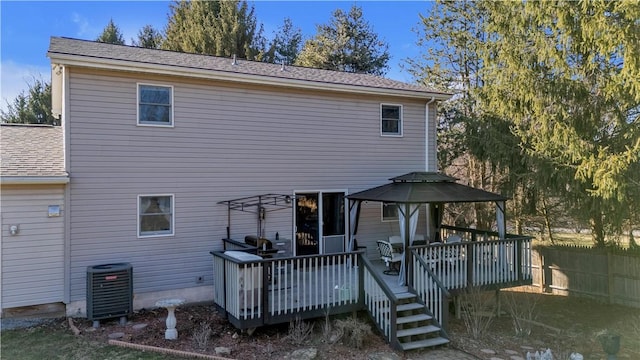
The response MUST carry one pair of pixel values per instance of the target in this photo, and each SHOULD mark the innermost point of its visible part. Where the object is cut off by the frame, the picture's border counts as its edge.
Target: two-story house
(173, 134)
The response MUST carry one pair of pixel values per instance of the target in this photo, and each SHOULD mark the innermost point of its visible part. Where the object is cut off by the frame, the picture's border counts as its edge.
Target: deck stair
(416, 328)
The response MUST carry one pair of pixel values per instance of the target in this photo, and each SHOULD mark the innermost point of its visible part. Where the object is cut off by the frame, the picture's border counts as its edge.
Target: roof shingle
(90, 51)
(31, 150)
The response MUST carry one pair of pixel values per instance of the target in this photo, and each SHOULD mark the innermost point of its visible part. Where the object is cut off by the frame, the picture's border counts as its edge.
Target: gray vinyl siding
(228, 141)
(32, 261)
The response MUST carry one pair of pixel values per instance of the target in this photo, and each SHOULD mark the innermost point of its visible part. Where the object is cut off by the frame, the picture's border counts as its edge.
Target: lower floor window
(389, 212)
(155, 215)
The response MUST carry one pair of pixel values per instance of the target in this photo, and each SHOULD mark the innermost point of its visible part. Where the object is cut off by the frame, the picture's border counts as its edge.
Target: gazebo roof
(425, 187)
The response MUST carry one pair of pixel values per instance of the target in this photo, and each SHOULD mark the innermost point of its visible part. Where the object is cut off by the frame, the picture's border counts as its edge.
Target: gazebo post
(407, 238)
(500, 219)
(502, 232)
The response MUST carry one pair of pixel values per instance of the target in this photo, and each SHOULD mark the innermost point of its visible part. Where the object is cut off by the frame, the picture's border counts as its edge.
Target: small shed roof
(425, 187)
(32, 154)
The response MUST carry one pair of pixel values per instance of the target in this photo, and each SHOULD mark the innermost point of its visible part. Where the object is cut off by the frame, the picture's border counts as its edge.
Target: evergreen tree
(286, 44)
(111, 34)
(31, 107)
(567, 76)
(471, 144)
(220, 28)
(347, 43)
(148, 37)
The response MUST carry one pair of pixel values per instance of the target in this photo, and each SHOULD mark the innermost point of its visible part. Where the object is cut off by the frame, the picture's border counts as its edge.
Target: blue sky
(26, 27)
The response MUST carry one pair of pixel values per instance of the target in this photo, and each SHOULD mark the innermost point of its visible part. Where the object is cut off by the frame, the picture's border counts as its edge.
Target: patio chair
(396, 243)
(390, 258)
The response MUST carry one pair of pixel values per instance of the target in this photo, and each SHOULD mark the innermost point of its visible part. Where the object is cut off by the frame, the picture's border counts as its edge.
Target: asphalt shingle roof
(64, 48)
(31, 150)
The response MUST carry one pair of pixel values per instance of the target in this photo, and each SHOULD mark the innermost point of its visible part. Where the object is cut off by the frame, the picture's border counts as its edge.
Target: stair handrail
(393, 300)
(385, 288)
(441, 315)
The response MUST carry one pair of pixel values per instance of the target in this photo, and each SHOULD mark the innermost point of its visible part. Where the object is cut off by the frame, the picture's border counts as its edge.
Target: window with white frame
(155, 215)
(391, 120)
(155, 105)
(389, 212)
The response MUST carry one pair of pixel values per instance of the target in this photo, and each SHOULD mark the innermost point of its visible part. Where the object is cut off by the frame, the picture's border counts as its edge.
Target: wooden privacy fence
(608, 275)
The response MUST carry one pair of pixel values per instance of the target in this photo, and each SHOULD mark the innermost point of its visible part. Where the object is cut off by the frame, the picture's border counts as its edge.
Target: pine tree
(148, 37)
(286, 44)
(567, 76)
(111, 34)
(220, 28)
(31, 107)
(471, 145)
(348, 43)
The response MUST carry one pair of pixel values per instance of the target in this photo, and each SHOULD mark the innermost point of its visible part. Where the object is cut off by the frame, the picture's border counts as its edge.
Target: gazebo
(409, 192)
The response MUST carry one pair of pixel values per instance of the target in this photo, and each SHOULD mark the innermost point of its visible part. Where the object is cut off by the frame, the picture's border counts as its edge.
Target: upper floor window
(155, 105)
(391, 120)
(155, 215)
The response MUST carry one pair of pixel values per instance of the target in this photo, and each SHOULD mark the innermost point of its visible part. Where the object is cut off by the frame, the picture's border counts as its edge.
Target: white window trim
(173, 216)
(172, 124)
(382, 218)
(400, 128)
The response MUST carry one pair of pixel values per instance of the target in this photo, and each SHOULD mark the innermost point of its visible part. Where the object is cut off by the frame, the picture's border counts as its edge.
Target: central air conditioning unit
(109, 292)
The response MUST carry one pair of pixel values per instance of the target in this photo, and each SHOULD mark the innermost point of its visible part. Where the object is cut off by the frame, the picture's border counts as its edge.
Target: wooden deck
(255, 292)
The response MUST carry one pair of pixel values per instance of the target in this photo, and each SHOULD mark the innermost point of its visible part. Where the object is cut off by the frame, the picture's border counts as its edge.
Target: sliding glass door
(320, 222)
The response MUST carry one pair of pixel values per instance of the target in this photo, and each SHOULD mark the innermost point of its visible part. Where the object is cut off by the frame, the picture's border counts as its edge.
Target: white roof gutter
(132, 66)
(34, 180)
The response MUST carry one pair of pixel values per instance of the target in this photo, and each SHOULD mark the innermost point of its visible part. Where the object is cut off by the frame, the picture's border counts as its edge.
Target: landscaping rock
(116, 335)
(333, 339)
(137, 327)
(304, 354)
(383, 356)
(222, 351)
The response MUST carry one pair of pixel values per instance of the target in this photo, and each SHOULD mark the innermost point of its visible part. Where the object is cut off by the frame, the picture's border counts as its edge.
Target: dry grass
(299, 331)
(353, 331)
(202, 335)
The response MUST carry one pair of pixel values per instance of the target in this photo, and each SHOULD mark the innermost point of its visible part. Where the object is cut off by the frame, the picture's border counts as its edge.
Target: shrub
(299, 331)
(477, 308)
(202, 335)
(523, 312)
(353, 331)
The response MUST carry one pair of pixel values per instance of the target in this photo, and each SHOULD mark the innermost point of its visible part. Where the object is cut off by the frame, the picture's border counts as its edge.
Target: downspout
(427, 144)
(64, 117)
(426, 133)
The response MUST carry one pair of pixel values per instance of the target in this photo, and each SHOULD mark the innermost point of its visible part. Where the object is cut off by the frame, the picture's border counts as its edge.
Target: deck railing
(481, 259)
(430, 289)
(264, 291)
(270, 291)
(468, 234)
(380, 301)
(230, 244)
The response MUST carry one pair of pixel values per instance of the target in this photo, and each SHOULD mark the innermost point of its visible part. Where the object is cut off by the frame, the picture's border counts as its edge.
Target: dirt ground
(563, 324)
